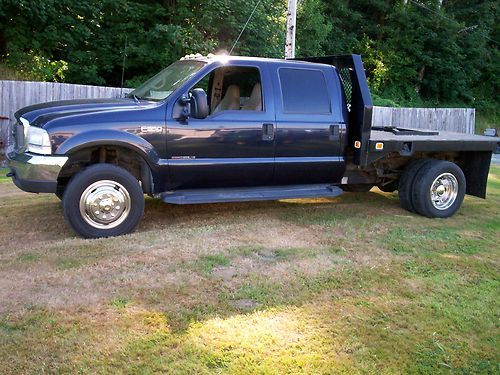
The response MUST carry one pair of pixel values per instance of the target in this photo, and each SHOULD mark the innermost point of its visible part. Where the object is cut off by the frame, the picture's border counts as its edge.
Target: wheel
(406, 183)
(358, 188)
(438, 189)
(390, 187)
(103, 200)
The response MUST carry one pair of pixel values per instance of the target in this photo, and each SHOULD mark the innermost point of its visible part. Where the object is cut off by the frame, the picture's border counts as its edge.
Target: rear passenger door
(309, 124)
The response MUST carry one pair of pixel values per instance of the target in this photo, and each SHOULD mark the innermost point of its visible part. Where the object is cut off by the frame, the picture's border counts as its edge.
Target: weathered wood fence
(459, 120)
(17, 94)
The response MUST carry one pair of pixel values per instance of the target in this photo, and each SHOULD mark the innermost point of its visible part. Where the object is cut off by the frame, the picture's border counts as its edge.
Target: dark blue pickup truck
(222, 129)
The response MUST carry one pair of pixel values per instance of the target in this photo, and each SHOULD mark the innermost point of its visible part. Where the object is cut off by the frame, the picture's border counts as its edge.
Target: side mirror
(199, 104)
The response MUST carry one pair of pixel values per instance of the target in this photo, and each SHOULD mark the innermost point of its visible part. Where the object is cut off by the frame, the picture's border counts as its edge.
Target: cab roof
(226, 58)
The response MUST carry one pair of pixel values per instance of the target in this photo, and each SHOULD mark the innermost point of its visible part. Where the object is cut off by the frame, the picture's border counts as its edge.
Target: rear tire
(438, 189)
(406, 183)
(103, 200)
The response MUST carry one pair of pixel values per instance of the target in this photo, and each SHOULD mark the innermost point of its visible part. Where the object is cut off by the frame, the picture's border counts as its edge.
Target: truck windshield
(167, 81)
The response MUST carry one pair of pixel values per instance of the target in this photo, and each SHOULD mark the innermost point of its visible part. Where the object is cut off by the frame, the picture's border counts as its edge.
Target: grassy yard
(353, 284)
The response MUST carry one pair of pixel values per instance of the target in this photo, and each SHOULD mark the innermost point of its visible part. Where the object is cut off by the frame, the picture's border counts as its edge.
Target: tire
(438, 189)
(406, 183)
(115, 193)
(359, 188)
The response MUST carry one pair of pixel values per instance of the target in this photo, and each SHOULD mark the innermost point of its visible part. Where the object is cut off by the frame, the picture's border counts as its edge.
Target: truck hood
(38, 114)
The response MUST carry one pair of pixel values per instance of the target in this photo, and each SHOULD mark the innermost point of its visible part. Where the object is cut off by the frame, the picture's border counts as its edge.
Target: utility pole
(291, 21)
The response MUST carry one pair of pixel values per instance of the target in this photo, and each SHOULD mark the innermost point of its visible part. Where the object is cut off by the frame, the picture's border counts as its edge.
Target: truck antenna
(123, 66)
(244, 27)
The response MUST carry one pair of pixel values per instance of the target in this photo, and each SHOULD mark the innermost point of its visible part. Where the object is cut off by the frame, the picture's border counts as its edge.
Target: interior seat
(255, 101)
(230, 101)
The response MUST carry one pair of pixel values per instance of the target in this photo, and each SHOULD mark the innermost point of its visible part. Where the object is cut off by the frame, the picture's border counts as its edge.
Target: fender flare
(119, 138)
(132, 142)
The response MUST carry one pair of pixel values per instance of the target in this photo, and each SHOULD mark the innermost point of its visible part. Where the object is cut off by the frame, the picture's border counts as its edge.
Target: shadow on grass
(43, 213)
(159, 214)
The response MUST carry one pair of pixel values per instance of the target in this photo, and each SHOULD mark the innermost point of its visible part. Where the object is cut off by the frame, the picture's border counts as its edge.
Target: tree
(415, 51)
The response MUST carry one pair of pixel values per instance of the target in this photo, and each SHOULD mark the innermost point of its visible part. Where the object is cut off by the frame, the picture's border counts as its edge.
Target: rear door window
(304, 91)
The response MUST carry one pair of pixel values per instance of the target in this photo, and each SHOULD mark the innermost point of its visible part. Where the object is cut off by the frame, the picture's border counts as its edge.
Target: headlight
(38, 141)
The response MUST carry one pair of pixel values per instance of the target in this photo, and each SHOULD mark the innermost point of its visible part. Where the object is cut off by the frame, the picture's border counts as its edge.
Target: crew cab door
(310, 127)
(234, 145)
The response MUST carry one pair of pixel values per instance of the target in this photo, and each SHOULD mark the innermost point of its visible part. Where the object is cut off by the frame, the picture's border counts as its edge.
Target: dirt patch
(225, 273)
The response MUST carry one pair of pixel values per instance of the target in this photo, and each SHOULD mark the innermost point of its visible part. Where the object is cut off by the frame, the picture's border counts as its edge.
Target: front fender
(93, 138)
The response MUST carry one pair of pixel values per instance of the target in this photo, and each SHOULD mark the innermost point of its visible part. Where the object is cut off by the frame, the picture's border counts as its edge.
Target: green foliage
(84, 42)
(38, 67)
(314, 28)
(383, 102)
(421, 52)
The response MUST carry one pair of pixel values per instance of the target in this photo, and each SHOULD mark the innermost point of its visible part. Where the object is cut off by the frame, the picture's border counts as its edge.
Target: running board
(261, 193)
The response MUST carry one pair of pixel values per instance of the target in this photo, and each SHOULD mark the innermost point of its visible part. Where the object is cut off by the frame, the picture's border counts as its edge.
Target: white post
(291, 21)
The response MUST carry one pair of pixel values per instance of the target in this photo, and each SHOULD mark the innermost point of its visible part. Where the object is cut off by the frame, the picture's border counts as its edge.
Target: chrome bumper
(35, 173)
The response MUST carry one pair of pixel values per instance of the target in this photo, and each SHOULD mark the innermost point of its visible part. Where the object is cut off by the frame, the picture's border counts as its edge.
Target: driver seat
(230, 101)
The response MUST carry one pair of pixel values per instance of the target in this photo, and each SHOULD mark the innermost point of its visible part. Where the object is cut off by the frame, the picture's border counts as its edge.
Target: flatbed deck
(442, 136)
(408, 144)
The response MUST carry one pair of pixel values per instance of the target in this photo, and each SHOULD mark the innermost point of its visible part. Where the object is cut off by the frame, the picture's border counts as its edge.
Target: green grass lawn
(353, 284)
(3, 177)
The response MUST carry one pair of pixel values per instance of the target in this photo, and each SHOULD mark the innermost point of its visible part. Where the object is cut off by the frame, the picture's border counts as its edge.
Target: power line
(431, 10)
(447, 18)
(244, 27)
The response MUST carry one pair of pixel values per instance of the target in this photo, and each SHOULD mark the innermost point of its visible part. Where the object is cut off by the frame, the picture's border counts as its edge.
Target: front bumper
(35, 173)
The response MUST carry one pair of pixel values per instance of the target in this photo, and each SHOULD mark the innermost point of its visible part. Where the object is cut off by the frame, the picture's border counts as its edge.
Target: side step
(261, 193)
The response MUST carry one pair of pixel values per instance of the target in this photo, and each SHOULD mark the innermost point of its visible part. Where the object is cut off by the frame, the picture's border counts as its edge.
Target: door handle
(268, 132)
(334, 132)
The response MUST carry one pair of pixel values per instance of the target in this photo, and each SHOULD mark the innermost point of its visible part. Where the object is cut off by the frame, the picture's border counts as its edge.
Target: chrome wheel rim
(444, 191)
(105, 204)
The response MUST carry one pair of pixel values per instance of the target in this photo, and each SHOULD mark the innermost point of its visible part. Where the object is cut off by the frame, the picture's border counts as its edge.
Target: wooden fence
(18, 94)
(459, 120)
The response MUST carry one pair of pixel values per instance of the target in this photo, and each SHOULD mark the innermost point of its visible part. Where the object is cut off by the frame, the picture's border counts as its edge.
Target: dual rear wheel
(432, 188)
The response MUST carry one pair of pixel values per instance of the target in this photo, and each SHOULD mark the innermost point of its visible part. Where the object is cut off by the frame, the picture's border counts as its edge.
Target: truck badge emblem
(151, 129)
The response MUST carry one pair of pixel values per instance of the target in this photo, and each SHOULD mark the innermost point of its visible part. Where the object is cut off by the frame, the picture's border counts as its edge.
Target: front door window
(233, 89)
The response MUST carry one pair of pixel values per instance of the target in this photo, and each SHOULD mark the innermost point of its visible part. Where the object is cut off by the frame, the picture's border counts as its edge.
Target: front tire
(103, 200)
(438, 189)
